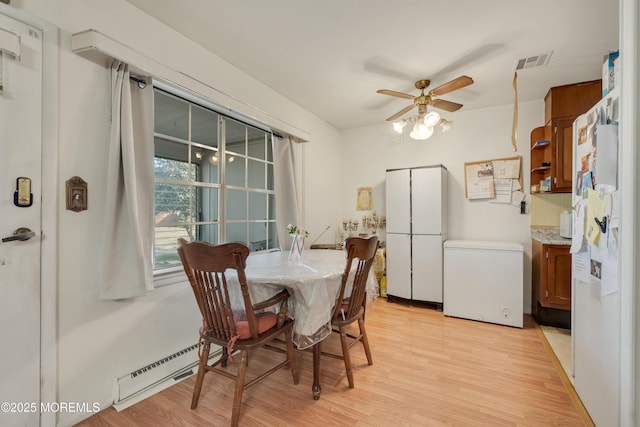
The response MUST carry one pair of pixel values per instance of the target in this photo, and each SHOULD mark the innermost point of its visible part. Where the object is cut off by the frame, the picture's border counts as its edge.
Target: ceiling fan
(425, 122)
(422, 101)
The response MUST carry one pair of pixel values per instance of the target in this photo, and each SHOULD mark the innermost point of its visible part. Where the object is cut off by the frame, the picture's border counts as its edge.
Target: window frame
(174, 273)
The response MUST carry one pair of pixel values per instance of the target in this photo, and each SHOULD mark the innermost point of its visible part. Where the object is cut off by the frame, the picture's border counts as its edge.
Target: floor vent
(155, 376)
(533, 61)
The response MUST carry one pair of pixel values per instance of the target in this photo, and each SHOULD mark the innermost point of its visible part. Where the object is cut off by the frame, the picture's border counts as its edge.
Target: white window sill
(169, 277)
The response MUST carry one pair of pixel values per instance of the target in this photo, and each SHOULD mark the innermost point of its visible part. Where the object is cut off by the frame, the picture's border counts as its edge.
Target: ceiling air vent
(533, 61)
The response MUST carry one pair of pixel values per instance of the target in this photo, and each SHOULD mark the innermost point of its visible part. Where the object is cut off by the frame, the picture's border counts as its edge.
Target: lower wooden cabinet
(551, 284)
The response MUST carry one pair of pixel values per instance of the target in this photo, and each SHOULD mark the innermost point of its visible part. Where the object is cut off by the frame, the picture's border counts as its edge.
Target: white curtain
(287, 200)
(126, 268)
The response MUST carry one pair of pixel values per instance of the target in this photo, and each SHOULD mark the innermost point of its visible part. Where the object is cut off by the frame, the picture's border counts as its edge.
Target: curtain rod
(142, 83)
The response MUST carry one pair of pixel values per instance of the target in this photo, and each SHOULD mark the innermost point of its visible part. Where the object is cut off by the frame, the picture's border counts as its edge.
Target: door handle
(21, 233)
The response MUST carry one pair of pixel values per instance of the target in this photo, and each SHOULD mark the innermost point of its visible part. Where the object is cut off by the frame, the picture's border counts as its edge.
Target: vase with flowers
(298, 234)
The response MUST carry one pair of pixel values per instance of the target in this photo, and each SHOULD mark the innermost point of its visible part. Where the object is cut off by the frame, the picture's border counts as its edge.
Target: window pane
(258, 236)
(273, 242)
(257, 206)
(269, 176)
(208, 233)
(235, 170)
(236, 136)
(236, 205)
(207, 161)
(207, 203)
(272, 207)
(173, 204)
(204, 126)
(256, 141)
(237, 232)
(166, 243)
(256, 174)
(171, 161)
(171, 115)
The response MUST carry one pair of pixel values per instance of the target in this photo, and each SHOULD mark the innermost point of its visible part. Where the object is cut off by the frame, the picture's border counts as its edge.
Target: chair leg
(365, 341)
(291, 355)
(224, 357)
(345, 354)
(237, 397)
(204, 357)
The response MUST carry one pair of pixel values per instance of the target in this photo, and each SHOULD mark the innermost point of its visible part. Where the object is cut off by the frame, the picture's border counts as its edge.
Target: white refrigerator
(416, 200)
(595, 313)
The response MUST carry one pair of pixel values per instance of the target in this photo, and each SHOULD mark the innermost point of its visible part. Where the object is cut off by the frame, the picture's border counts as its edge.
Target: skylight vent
(533, 61)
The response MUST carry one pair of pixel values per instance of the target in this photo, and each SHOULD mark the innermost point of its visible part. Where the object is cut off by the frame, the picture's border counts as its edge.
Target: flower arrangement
(294, 230)
(298, 234)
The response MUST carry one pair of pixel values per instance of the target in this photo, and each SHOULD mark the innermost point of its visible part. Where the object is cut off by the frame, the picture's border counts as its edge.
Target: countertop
(549, 236)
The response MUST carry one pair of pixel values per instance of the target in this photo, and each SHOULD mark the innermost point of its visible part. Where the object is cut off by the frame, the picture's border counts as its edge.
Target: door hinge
(546, 293)
(555, 180)
(547, 253)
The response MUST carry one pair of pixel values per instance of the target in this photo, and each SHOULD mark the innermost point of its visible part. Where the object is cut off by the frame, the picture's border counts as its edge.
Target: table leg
(315, 388)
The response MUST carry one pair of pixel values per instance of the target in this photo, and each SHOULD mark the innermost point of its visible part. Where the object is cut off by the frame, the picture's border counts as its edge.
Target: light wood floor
(428, 370)
(560, 341)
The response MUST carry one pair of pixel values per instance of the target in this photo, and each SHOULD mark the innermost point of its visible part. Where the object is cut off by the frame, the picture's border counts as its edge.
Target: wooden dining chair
(235, 330)
(351, 307)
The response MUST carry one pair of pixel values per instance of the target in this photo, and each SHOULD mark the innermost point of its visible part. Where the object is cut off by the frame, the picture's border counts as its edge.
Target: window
(213, 180)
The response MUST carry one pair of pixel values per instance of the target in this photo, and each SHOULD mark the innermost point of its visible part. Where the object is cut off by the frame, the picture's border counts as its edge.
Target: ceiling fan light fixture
(431, 119)
(445, 124)
(421, 131)
(399, 125)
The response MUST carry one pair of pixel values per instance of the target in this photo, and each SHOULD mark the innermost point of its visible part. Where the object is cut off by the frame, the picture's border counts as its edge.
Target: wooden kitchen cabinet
(552, 144)
(541, 158)
(562, 140)
(551, 284)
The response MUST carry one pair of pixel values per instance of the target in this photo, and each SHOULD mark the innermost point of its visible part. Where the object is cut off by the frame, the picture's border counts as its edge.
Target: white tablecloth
(313, 282)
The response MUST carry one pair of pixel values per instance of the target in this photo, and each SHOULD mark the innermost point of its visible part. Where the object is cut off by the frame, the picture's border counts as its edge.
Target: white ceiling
(330, 56)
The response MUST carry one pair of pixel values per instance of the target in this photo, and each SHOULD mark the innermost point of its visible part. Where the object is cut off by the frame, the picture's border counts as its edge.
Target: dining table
(313, 281)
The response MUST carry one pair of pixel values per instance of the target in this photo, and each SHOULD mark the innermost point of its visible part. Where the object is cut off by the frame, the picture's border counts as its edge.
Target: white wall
(475, 135)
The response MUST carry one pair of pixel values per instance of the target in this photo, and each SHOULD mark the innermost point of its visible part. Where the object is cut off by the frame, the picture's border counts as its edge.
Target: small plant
(293, 230)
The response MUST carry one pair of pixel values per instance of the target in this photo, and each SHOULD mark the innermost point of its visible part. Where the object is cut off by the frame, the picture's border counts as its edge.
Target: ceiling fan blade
(394, 93)
(446, 105)
(454, 84)
(402, 112)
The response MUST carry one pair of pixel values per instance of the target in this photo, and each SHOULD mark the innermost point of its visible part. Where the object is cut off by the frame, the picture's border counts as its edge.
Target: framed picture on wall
(364, 202)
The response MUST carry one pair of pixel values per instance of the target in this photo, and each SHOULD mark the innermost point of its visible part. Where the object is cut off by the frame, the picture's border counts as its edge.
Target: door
(563, 140)
(558, 292)
(398, 201)
(426, 200)
(20, 157)
(399, 265)
(427, 268)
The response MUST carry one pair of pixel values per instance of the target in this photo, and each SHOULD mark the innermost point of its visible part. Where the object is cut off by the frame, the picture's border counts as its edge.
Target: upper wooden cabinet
(552, 144)
(571, 100)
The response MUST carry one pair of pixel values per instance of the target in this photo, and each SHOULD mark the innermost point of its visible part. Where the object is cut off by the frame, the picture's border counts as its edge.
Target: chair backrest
(363, 252)
(206, 265)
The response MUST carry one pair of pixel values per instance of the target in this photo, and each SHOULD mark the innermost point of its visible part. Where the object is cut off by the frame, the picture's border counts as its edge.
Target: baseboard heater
(154, 377)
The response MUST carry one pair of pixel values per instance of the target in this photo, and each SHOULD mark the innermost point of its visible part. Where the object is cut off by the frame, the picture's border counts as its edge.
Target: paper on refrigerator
(595, 215)
(606, 170)
(578, 227)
